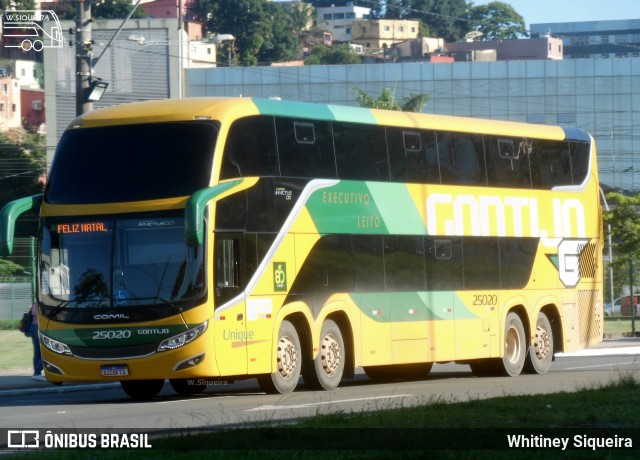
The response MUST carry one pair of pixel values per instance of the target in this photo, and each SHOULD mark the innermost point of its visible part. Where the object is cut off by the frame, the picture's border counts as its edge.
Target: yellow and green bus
(200, 239)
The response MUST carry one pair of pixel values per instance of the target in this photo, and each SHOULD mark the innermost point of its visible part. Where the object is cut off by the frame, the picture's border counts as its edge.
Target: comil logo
(31, 30)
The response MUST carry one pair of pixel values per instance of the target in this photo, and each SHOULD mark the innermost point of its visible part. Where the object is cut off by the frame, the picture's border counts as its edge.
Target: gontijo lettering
(483, 215)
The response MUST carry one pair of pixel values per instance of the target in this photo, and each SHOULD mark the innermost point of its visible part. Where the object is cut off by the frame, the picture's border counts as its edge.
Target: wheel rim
(287, 357)
(330, 355)
(512, 345)
(542, 343)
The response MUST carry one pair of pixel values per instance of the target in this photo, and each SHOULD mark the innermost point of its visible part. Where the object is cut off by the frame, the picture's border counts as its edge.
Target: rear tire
(515, 349)
(188, 387)
(540, 353)
(328, 367)
(142, 390)
(288, 360)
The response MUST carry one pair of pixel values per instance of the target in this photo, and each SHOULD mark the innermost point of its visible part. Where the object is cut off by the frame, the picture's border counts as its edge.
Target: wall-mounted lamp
(96, 89)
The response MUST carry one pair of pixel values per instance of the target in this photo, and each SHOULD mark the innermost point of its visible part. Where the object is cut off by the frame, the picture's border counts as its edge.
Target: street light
(96, 89)
(221, 38)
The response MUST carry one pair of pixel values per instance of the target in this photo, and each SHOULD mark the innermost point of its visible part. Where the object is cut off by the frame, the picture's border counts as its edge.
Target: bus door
(230, 315)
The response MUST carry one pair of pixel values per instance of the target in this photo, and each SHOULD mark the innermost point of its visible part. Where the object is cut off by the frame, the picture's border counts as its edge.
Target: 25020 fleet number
(481, 300)
(110, 335)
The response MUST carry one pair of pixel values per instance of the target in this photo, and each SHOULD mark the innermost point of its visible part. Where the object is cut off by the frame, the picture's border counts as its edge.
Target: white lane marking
(324, 403)
(602, 352)
(600, 365)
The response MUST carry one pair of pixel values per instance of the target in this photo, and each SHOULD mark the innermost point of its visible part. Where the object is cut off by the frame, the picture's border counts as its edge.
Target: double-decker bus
(197, 239)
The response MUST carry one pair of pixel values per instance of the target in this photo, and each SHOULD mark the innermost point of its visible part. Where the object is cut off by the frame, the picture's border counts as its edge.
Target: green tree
(337, 54)
(9, 269)
(262, 30)
(22, 165)
(19, 5)
(624, 219)
(115, 9)
(442, 18)
(497, 21)
(387, 100)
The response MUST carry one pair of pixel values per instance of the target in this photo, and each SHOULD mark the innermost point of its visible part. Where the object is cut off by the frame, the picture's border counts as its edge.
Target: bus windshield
(102, 263)
(131, 163)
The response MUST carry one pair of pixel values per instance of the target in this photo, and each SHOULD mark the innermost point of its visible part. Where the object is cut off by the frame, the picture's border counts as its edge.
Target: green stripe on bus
(296, 109)
(390, 198)
(347, 207)
(384, 307)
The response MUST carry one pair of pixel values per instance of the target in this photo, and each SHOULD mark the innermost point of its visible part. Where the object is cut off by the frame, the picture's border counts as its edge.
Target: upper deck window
(132, 162)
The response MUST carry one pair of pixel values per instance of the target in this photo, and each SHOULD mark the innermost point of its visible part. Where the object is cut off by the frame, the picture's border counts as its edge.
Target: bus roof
(227, 109)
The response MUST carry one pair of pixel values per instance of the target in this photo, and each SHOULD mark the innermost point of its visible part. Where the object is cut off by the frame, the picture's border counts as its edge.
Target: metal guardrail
(15, 299)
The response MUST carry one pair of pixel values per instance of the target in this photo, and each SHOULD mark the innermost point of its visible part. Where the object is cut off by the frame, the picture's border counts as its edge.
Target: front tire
(541, 352)
(142, 390)
(288, 360)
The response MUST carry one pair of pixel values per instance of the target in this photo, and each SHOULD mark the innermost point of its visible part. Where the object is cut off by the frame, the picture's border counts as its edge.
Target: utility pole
(83, 56)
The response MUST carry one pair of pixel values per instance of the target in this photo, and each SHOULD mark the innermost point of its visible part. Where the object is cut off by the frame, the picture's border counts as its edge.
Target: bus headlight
(54, 345)
(184, 338)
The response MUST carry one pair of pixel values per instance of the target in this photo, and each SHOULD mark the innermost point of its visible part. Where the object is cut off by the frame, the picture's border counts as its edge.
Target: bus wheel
(328, 366)
(541, 352)
(514, 345)
(188, 386)
(142, 389)
(288, 360)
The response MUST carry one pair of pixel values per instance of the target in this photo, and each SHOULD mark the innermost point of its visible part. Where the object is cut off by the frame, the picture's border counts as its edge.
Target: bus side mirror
(8, 217)
(194, 211)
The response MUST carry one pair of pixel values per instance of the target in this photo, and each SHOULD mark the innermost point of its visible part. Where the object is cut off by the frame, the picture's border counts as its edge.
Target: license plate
(119, 370)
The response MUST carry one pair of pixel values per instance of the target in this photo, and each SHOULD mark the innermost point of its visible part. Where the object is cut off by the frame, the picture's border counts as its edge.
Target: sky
(544, 11)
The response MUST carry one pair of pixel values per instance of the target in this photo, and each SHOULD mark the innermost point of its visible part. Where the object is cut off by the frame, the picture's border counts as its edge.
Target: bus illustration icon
(31, 30)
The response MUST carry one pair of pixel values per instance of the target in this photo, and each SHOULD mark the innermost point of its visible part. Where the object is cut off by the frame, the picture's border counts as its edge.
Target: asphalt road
(107, 406)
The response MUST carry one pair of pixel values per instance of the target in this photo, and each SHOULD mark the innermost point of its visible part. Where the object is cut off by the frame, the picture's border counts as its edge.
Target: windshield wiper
(57, 309)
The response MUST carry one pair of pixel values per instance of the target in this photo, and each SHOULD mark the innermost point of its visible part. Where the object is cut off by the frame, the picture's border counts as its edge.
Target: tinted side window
(305, 148)
(461, 158)
(579, 160)
(251, 149)
(404, 263)
(443, 266)
(413, 156)
(361, 152)
(550, 164)
(481, 263)
(368, 263)
(516, 261)
(508, 162)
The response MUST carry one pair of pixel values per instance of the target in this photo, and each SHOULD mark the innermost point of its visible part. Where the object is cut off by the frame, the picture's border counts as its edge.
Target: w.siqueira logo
(31, 30)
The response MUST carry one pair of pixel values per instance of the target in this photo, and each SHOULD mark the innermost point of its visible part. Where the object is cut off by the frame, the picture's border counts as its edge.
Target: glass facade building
(601, 96)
